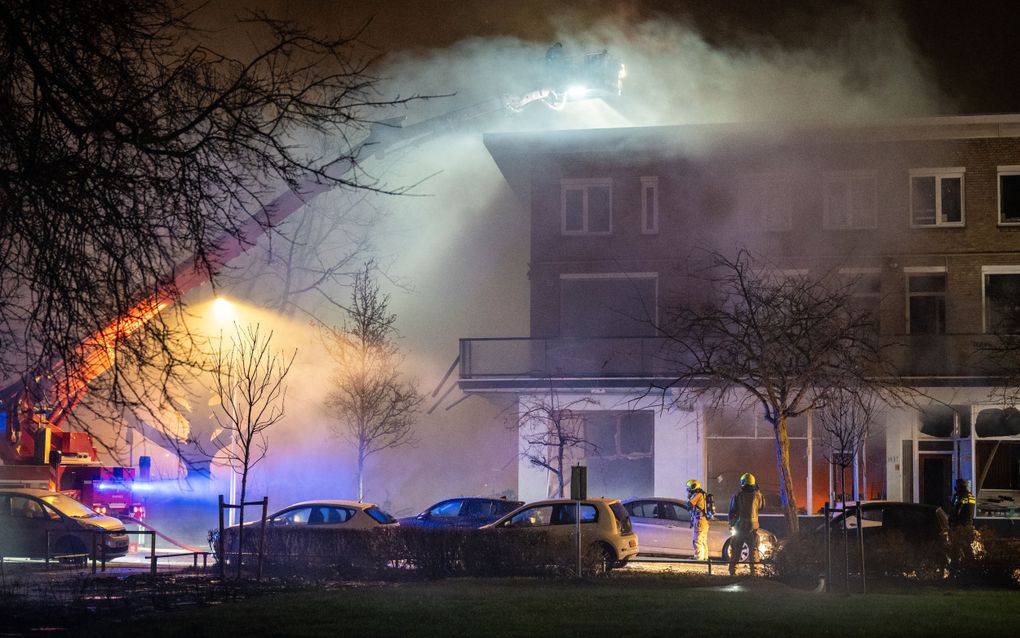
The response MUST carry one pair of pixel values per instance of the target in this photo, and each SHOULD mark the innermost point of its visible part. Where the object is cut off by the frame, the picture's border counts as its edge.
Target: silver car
(663, 526)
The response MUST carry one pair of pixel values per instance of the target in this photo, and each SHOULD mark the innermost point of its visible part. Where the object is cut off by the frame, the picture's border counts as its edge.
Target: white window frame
(910, 271)
(583, 185)
(939, 174)
(649, 209)
(1013, 170)
(848, 178)
(992, 270)
(755, 186)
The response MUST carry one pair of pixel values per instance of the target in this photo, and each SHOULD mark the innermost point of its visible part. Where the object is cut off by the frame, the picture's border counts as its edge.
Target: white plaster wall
(678, 443)
(679, 451)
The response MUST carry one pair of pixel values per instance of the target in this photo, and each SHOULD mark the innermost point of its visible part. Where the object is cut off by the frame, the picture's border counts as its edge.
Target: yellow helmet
(692, 485)
(747, 479)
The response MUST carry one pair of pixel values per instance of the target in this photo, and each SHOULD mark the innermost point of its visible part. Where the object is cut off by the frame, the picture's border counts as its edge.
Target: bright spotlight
(223, 310)
(577, 92)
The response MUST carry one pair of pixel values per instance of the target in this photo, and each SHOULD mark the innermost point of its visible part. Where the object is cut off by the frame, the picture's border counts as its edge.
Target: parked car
(663, 526)
(898, 537)
(462, 512)
(75, 531)
(307, 516)
(605, 525)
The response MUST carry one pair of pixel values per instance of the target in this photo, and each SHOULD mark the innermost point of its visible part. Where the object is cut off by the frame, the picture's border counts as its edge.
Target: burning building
(923, 213)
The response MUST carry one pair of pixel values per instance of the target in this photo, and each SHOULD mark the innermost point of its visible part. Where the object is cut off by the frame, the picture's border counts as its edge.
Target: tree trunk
(240, 520)
(361, 475)
(559, 466)
(786, 491)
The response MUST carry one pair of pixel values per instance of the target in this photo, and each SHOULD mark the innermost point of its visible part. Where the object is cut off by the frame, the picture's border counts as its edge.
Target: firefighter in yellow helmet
(744, 508)
(697, 505)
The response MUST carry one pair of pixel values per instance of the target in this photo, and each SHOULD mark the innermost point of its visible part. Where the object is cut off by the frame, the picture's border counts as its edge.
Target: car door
(653, 528)
(677, 539)
(29, 520)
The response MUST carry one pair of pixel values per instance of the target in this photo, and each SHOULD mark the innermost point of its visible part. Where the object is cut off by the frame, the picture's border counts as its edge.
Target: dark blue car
(462, 512)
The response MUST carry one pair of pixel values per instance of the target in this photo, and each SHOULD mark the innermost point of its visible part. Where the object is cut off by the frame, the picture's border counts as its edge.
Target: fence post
(102, 550)
(47, 550)
(152, 554)
(262, 536)
(828, 548)
(92, 553)
(219, 541)
(860, 540)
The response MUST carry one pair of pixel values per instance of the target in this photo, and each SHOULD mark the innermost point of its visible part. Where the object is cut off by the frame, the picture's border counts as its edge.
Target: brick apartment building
(925, 213)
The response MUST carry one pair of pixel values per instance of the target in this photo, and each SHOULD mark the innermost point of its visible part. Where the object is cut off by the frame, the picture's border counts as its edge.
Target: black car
(915, 522)
(462, 512)
(35, 523)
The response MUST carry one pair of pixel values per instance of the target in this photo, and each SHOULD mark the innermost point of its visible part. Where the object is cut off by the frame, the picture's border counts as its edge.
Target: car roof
(570, 501)
(668, 499)
(360, 505)
(27, 491)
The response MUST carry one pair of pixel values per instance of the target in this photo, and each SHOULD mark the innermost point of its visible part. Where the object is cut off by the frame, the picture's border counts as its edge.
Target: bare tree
(551, 430)
(372, 405)
(782, 339)
(249, 382)
(844, 423)
(131, 156)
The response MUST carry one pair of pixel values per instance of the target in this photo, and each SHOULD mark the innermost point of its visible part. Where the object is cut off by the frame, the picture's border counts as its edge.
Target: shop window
(587, 206)
(621, 458)
(936, 197)
(993, 422)
(1002, 300)
(926, 303)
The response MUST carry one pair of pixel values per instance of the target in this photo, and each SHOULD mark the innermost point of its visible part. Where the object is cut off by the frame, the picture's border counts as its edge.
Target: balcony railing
(523, 357)
(650, 357)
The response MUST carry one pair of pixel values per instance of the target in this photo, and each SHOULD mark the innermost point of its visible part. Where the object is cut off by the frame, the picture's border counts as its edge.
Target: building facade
(923, 214)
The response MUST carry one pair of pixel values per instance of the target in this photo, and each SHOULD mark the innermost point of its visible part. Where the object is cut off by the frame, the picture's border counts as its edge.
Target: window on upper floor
(850, 200)
(865, 289)
(926, 302)
(1009, 194)
(608, 305)
(649, 205)
(587, 206)
(1001, 292)
(936, 197)
(767, 198)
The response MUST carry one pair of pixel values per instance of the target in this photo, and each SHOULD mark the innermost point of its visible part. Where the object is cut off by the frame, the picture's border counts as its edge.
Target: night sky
(971, 47)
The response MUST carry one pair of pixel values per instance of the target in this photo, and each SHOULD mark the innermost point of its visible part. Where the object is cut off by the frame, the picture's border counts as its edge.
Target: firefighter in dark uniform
(744, 508)
(962, 513)
(962, 534)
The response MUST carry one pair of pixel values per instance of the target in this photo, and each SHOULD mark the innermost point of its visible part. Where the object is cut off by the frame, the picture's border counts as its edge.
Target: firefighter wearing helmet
(744, 508)
(697, 505)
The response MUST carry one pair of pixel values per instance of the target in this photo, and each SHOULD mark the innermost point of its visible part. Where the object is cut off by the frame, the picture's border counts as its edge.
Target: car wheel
(602, 559)
(71, 551)
(745, 552)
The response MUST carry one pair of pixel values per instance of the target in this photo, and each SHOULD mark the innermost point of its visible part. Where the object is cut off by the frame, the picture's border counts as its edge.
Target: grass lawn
(622, 605)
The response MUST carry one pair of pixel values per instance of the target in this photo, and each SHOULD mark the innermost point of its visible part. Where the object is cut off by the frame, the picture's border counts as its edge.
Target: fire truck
(37, 449)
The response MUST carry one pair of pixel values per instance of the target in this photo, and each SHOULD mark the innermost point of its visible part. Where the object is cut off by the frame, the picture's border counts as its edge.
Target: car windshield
(68, 506)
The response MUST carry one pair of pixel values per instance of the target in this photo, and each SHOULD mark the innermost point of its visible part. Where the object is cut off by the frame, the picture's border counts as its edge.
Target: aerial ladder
(36, 449)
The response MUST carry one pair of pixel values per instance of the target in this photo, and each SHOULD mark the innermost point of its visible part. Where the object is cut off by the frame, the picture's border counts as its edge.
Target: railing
(590, 357)
(98, 552)
(652, 357)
